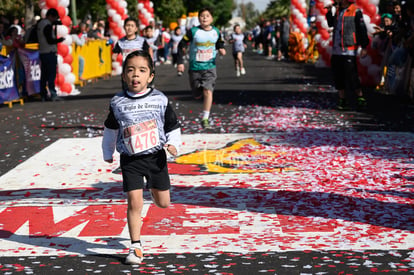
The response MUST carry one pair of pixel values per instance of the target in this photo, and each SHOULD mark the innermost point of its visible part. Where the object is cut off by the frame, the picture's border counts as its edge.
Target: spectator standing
(79, 39)
(268, 37)
(284, 37)
(46, 33)
(349, 34)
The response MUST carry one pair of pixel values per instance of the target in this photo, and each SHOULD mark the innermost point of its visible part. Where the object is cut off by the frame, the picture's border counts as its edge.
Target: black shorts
(345, 72)
(153, 167)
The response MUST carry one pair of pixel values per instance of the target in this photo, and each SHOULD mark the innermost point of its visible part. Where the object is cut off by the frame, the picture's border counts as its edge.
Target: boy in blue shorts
(205, 40)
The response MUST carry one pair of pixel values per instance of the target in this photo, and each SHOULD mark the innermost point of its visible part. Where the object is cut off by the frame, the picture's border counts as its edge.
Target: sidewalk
(282, 184)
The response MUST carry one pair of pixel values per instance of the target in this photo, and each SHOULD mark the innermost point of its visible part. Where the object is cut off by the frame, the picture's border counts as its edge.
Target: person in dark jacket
(349, 34)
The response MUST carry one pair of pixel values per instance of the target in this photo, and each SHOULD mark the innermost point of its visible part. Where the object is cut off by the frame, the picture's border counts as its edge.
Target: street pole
(73, 12)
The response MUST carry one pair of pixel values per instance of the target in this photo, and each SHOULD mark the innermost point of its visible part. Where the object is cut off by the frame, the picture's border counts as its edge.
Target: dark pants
(48, 76)
(345, 72)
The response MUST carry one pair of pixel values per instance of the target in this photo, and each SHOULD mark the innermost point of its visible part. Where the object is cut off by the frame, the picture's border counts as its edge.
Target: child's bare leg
(161, 198)
(135, 205)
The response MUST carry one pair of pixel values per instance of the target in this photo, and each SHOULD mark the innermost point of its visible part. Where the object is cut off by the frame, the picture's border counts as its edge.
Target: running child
(238, 39)
(140, 124)
(131, 41)
(204, 41)
(175, 40)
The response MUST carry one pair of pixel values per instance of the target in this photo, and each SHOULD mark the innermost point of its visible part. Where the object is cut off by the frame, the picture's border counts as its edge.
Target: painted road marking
(232, 192)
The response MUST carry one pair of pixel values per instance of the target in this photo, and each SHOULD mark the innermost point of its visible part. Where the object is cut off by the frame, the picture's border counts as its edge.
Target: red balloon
(370, 10)
(119, 58)
(115, 5)
(52, 4)
(61, 11)
(63, 49)
(66, 87)
(68, 59)
(60, 78)
(324, 34)
(66, 21)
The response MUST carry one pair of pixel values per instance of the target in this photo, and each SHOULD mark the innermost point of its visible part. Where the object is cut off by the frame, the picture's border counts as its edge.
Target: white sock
(206, 114)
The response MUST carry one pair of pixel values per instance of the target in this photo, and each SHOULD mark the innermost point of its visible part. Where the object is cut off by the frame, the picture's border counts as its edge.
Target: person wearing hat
(46, 33)
(349, 33)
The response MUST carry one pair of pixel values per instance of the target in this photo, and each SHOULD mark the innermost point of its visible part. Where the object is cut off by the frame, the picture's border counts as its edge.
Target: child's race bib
(204, 55)
(141, 137)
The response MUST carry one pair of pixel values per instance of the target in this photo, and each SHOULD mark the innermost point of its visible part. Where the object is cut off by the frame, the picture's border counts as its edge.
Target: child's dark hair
(177, 28)
(143, 54)
(210, 10)
(131, 19)
(149, 27)
(235, 26)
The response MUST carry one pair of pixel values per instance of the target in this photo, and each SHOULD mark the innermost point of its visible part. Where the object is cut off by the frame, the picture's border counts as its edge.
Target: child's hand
(171, 149)
(109, 160)
(222, 51)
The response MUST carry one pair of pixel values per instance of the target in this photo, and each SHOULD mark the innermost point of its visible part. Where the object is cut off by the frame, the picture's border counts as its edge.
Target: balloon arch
(117, 13)
(369, 67)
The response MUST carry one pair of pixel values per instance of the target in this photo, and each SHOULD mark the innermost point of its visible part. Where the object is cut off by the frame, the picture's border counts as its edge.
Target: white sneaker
(243, 71)
(237, 72)
(135, 255)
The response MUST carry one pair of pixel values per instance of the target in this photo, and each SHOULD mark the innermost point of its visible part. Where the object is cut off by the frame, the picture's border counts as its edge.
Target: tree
(249, 13)
(277, 9)
(222, 9)
(169, 10)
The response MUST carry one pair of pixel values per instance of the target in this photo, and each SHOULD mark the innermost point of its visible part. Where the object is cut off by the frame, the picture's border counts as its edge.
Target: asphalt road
(273, 97)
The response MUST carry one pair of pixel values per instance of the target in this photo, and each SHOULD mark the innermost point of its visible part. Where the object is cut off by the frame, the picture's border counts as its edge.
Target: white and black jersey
(144, 123)
(124, 46)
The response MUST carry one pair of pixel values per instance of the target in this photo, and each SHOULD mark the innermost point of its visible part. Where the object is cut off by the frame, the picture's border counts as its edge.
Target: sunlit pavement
(282, 183)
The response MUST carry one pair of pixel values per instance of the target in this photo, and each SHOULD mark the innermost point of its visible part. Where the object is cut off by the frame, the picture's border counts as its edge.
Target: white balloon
(367, 19)
(68, 40)
(64, 3)
(62, 30)
(140, 6)
(375, 2)
(59, 59)
(111, 12)
(123, 4)
(70, 78)
(370, 28)
(324, 24)
(117, 18)
(64, 68)
(151, 4)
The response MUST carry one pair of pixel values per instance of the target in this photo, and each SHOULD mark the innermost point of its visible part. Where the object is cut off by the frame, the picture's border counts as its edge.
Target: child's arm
(172, 131)
(110, 136)
(220, 45)
(180, 50)
(109, 143)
